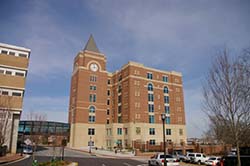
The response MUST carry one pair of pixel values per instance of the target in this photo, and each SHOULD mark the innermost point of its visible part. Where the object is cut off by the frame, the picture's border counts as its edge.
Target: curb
(104, 155)
(11, 160)
(14, 160)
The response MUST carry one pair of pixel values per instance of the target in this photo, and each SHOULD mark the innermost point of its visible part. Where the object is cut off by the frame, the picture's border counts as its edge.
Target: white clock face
(94, 67)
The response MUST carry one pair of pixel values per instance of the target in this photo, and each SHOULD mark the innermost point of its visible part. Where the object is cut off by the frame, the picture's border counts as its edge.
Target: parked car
(187, 158)
(180, 157)
(28, 149)
(213, 161)
(231, 160)
(158, 160)
(198, 158)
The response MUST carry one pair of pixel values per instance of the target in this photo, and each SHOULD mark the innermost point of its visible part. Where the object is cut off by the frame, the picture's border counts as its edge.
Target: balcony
(14, 61)
(12, 81)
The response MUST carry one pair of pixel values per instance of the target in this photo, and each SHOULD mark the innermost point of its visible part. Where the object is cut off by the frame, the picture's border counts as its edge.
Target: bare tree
(5, 108)
(36, 116)
(227, 99)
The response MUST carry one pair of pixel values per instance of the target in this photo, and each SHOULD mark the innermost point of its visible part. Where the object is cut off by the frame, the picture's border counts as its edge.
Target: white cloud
(173, 32)
(50, 43)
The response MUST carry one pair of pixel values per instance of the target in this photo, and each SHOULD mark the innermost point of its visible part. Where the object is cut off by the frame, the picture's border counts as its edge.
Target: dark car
(232, 160)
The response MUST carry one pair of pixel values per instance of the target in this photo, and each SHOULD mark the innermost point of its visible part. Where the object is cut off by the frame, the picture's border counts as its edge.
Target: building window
(151, 119)
(107, 111)
(119, 89)
(8, 72)
(150, 108)
(93, 79)
(168, 131)
(108, 102)
(5, 93)
(167, 110)
(165, 90)
(107, 121)
(23, 55)
(152, 142)
(92, 109)
(119, 131)
(108, 92)
(91, 131)
(119, 119)
(119, 109)
(91, 118)
(92, 98)
(19, 74)
(167, 120)
(92, 87)
(150, 76)
(4, 52)
(151, 131)
(11, 53)
(108, 81)
(16, 94)
(150, 87)
(120, 78)
(119, 99)
(166, 99)
(164, 78)
(180, 131)
(150, 97)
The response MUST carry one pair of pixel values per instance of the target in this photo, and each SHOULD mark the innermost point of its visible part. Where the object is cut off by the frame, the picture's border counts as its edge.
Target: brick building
(116, 109)
(14, 62)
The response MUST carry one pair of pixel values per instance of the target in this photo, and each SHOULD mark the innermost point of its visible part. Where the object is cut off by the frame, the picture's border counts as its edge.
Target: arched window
(92, 109)
(165, 90)
(150, 87)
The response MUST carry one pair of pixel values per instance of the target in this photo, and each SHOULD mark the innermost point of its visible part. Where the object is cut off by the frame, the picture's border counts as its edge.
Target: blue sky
(170, 35)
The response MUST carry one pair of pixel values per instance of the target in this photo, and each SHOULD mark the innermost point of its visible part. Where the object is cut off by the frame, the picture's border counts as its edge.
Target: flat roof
(14, 47)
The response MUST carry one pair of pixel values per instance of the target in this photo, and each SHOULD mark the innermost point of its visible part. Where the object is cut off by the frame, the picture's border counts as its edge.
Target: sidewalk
(106, 153)
(10, 157)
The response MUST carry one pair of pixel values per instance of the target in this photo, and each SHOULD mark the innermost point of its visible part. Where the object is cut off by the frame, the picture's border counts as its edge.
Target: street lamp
(163, 118)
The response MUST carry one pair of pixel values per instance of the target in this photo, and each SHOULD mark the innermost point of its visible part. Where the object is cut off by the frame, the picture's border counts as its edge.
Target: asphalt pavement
(84, 159)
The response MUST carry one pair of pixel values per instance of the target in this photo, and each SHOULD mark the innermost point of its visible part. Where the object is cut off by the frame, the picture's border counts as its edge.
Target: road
(83, 159)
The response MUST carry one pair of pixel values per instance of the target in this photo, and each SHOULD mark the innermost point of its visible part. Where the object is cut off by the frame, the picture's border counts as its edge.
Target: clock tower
(89, 100)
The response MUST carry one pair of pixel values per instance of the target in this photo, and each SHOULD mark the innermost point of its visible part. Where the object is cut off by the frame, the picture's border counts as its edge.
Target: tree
(227, 99)
(5, 108)
(36, 116)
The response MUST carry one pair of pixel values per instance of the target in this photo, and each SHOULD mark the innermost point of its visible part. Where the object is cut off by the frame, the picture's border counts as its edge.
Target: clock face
(94, 67)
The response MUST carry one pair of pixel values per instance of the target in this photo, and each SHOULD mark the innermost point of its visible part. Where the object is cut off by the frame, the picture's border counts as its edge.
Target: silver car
(27, 149)
(213, 161)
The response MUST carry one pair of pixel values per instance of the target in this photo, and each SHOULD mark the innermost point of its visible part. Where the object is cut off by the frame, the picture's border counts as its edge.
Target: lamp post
(163, 117)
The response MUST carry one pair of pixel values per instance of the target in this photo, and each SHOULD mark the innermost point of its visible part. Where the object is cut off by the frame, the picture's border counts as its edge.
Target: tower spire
(91, 45)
